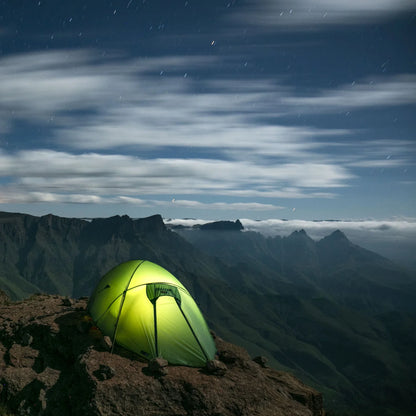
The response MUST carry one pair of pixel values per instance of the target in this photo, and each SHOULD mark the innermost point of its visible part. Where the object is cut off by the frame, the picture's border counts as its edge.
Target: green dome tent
(145, 309)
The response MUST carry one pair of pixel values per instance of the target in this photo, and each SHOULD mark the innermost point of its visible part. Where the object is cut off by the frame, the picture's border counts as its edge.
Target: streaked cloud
(378, 92)
(92, 104)
(13, 196)
(306, 15)
(106, 175)
(37, 85)
(232, 206)
(382, 163)
(108, 118)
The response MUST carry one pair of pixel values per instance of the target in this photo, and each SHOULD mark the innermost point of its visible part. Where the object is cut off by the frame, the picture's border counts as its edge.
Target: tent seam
(122, 304)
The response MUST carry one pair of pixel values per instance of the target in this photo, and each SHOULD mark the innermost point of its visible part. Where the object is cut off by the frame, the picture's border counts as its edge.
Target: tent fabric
(145, 309)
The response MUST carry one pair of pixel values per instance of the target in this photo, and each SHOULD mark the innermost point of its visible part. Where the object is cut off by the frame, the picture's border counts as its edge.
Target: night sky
(210, 109)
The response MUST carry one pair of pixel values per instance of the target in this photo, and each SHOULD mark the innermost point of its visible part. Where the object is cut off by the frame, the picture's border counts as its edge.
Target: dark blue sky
(221, 109)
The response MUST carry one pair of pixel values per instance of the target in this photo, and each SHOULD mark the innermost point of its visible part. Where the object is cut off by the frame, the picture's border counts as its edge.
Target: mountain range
(341, 318)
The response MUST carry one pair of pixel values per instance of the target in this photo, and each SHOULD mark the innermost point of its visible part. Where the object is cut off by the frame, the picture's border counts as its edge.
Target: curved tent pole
(155, 327)
(121, 306)
(192, 330)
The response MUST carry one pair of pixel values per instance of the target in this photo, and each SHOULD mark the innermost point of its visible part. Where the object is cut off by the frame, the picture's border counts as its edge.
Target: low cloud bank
(319, 229)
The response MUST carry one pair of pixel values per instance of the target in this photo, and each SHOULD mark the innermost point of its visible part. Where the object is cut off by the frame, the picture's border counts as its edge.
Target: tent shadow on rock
(146, 310)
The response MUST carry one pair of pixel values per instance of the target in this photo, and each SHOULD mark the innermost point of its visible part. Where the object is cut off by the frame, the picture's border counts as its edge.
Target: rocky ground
(53, 360)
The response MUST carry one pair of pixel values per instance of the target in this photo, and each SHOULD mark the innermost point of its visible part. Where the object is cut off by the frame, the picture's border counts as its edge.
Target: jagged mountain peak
(126, 225)
(299, 234)
(115, 219)
(337, 240)
(337, 235)
(301, 238)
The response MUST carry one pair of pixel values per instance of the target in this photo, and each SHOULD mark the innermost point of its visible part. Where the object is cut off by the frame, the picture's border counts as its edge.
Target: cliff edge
(53, 359)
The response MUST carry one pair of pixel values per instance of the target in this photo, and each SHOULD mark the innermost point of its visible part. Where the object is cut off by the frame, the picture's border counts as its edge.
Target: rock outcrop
(53, 360)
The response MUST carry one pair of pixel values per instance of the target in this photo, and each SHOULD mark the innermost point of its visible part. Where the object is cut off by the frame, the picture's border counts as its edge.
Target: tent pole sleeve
(155, 326)
(116, 324)
(193, 332)
(121, 306)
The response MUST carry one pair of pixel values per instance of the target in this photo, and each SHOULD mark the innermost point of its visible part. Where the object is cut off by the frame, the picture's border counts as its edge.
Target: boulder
(105, 372)
(216, 367)
(158, 366)
(261, 361)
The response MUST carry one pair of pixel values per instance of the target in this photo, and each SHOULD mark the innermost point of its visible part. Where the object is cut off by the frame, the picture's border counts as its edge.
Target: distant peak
(338, 234)
(299, 233)
(223, 226)
(152, 223)
(115, 219)
(48, 217)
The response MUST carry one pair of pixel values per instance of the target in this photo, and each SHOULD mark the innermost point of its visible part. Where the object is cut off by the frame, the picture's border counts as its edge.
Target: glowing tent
(145, 309)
